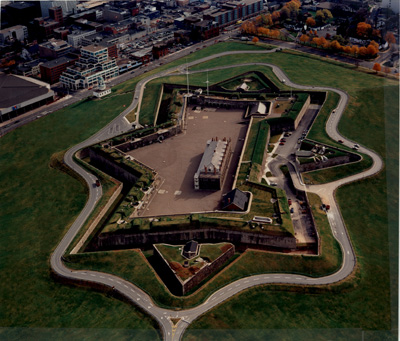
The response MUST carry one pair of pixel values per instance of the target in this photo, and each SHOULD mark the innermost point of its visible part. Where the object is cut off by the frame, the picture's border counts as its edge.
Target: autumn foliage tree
(371, 50)
(255, 40)
(310, 22)
(390, 38)
(363, 29)
(248, 27)
(275, 16)
(354, 50)
(304, 38)
(376, 67)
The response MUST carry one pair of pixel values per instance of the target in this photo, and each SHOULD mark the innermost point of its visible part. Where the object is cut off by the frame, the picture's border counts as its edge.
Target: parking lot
(177, 159)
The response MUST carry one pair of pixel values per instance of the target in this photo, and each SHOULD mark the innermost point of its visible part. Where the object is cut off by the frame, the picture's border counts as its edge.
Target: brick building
(52, 70)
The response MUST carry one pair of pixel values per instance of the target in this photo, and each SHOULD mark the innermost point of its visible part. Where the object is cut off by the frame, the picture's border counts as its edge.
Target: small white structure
(243, 87)
(101, 90)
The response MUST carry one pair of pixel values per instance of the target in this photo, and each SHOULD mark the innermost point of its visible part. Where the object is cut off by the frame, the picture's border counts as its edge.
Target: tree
(362, 51)
(389, 37)
(376, 67)
(374, 44)
(322, 16)
(304, 38)
(354, 50)
(267, 19)
(363, 29)
(276, 16)
(255, 40)
(322, 41)
(335, 45)
(347, 49)
(371, 50)
(310, 22)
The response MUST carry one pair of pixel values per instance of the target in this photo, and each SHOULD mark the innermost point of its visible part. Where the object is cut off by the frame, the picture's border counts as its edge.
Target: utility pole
(207, 83)
(187, 76)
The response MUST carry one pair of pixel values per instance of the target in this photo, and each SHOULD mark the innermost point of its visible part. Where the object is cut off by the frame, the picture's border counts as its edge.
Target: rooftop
(93, 48)
(58, 61)
(15, 90)
(212, 157)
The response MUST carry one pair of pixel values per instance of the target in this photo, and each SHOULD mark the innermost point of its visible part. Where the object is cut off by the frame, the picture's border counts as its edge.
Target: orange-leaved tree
(363, 29)
(310, 22)
(255, 40)
(362, 51)
(354, 50)
(371, 50)
(376, 67)
(275, 16)
(390, 38)
(304, 38)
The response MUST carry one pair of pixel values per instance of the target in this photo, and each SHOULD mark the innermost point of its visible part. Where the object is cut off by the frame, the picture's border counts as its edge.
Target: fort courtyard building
(93, 65)
(213, 165)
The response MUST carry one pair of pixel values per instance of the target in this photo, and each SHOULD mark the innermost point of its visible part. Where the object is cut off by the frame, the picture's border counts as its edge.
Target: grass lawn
(152, 92)
(370, 210)
(130, 265)
(50, 201)
(38, 205)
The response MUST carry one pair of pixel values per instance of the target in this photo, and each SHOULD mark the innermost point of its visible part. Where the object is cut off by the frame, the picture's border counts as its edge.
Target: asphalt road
(144, 301)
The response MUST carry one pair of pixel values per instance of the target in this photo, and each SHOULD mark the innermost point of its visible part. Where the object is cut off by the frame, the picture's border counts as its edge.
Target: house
(235, 200)
(191, 249)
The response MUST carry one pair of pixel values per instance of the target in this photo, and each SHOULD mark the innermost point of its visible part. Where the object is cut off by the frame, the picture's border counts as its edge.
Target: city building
(56, 13)
(89, 25)
(44, 27)
(68, 6)
(30, 68)
(54, 48)
(213, 166)
(75, 38)
(11, 34)
(115, 14)
(20, 94)
(233, 11)
(205, 29)
(52, 70)
(61, 33)
(21, 12)
(93, 65)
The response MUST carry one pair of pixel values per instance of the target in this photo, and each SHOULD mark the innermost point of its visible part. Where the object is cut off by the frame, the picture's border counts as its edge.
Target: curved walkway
(143, 300)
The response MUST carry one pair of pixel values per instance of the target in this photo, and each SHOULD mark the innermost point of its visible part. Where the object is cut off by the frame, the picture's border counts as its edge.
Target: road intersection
(143, 300)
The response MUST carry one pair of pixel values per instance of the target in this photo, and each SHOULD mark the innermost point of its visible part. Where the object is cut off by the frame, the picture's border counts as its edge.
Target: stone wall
(240, 239)
(302, 112)
(175, 284)
(93, 225)
(149, 139)
(207, 270)
(112, 168)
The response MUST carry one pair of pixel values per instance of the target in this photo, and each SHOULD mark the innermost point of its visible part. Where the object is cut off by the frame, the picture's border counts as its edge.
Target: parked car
(281, 143)
(356, 146)
(97, 183)
(283, 140)
(289, 201)
(340, 141)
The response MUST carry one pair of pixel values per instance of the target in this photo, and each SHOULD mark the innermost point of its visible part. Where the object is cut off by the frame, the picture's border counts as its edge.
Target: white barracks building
(93, 65)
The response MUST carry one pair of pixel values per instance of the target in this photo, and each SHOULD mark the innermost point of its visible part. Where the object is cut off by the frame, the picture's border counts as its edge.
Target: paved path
(144, 301)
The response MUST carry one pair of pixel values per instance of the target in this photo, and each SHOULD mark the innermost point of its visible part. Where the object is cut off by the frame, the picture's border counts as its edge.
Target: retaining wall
(240, 239)
(179, 287)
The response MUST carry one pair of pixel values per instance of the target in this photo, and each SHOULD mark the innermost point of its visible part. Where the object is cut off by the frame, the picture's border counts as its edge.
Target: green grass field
(370, 209)
(39, 204)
